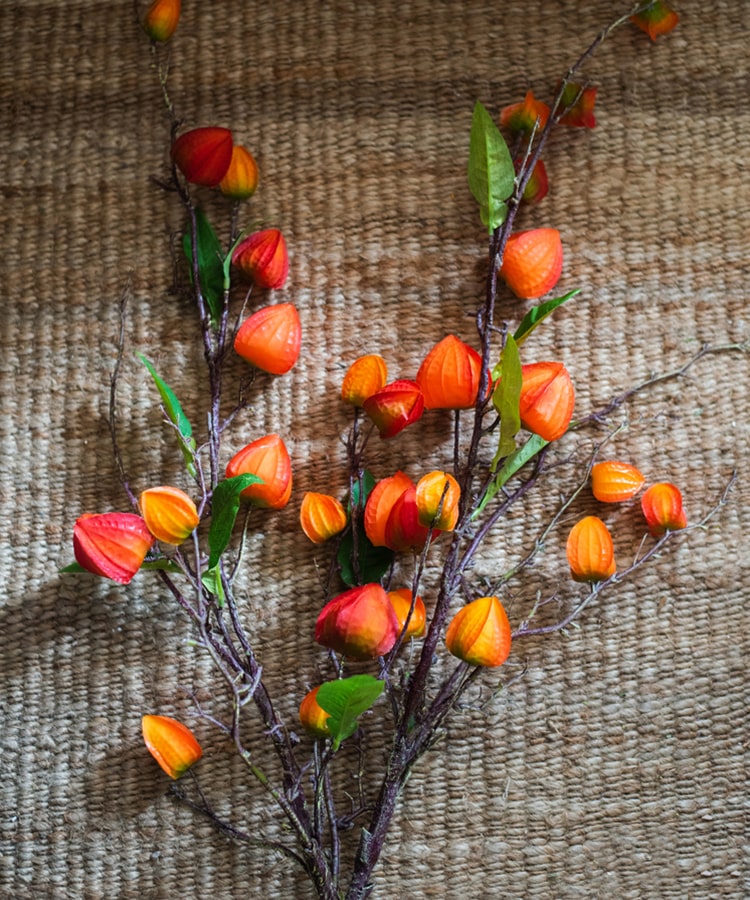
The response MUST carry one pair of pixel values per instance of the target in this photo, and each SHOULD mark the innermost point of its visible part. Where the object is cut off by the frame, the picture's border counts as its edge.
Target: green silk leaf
(491, 173)
(506, 400)
(176, 415)
(345, 700)
(225, 504)
(513, 463)
(373, 561)
(537, 314)
(210, 263)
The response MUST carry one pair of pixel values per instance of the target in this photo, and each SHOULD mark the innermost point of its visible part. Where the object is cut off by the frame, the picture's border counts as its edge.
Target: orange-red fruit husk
(113, 545)
(203, 155)
(267, 458)
(169, 513)
(614, 481)
(172, 744)
(364, 377)
(312, 715)
(449, 375)
(263, 257)
(480, 633)
(162, 19)
(321, 517)
(241, 178)
(547, 399)
(403, 530)
(590, 551)
(532, 262)
(395, 407)
(401, 602)
(360, 623)
(379, 504)
(270, 338)
(662, 507)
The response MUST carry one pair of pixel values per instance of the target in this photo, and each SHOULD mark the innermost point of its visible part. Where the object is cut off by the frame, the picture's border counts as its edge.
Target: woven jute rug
(616, 764)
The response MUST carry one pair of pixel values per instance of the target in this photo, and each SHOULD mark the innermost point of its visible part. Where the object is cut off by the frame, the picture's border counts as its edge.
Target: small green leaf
(506, 399)
(225, 504)
(345, 700)
(176, 415)
(210, 263)
(537, 314)
(491, 173)
(373, 561)
(514, 463)
(211, 579)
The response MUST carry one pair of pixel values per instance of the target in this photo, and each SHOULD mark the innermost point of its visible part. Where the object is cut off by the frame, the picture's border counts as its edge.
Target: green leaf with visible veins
(492, 176)
(225, 504)
(345, 700)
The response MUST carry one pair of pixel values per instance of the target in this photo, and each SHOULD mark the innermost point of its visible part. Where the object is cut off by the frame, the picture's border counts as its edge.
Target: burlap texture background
(617, 765)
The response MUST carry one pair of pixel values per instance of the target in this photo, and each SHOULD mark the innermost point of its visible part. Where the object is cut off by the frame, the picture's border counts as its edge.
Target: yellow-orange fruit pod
(401, 602)
(590, 551)
(662, 507)
(547, 399)
(170, 515)
(614, 481)
(480, 634)
(172, 744)
(321, 516)
(532, 262)
(313, 717)
(111, 544)
(270, 338)
(241, 179)
(161, 19)
(438, 495)
(365, 376)
(267, 458)
(449, 375)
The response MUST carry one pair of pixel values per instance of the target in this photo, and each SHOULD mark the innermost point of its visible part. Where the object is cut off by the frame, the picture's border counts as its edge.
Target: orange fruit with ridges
(532, 262)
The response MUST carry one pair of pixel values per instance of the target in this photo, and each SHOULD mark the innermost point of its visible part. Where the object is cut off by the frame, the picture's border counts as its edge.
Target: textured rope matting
(616, 766)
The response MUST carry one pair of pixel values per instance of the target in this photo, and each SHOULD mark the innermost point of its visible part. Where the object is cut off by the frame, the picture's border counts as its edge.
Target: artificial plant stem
(372, 840)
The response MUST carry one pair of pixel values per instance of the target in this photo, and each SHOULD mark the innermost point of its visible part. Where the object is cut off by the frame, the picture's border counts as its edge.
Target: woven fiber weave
(617, 764)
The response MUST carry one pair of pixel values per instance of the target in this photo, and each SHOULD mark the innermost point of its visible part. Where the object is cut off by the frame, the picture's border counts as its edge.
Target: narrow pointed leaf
(506, 400)
(514, 463)
(537, 314)
(210, 263)
(345, 700)
(174, 411)
(225, 504)
(491, 172)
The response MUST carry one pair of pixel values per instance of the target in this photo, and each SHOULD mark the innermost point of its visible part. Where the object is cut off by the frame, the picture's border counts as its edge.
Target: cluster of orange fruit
(590, 548)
